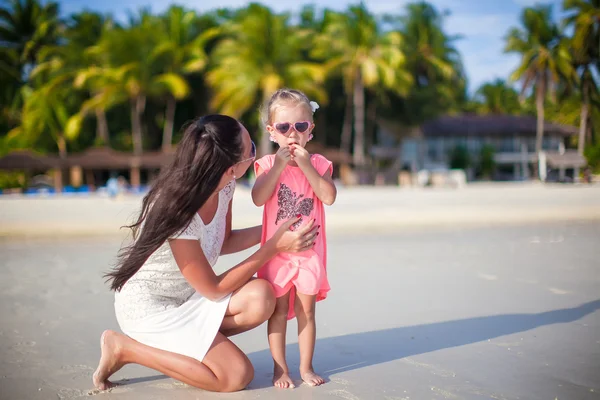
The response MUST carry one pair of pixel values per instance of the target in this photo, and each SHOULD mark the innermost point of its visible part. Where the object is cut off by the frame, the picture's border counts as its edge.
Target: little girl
(294, 183)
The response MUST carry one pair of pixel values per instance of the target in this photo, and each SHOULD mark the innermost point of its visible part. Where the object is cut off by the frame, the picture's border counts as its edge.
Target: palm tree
(260, 53)
(433, 62)
(545, 58)
(45, 112)
(26, 26)
(498, 98)
(584, 17)
(355, 46)
(62, 64)
(10, 100)
(183, 53)
(130, 70)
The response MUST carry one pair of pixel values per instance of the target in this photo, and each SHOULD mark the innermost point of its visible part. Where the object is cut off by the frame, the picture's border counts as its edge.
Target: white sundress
(158, 307)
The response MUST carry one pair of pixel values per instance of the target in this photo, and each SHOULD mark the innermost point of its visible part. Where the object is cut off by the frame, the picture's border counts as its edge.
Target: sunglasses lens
(301, 126)
(283, 128)
(253, 150)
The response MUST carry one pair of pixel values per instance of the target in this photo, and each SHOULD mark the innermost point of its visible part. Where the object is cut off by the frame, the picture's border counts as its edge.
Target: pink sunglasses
(284, 127)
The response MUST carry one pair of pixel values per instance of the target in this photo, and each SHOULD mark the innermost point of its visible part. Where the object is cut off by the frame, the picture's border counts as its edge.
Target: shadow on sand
(359, 350)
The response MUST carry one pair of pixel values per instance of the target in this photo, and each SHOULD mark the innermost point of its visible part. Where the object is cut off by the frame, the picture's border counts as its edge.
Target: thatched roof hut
(28, 161)
(155, 160)
(101, 158)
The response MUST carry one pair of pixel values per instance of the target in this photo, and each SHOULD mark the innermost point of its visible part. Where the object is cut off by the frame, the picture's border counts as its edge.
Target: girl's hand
(282, 157)
(301, 239)
(300, 155)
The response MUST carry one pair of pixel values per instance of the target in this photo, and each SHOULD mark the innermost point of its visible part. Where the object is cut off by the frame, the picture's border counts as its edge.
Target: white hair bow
(314, 106)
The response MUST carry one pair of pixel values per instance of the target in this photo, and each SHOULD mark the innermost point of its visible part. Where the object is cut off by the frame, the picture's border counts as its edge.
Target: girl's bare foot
(311, 378)
(281, 379)
(109, 360)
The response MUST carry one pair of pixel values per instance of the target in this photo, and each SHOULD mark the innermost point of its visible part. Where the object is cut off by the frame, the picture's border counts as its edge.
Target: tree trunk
(359, 121)
(346, 138)
(583, 123)
(539, 132)
(137, 108)
(101, 128)
(371, 124)
(169, 121)
(62, 153)
(265, 144)
(62, 147)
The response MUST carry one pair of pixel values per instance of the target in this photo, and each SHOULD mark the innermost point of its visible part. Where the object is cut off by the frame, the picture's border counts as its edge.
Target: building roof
(491, 125)
(100, 158)
(28, 160)
(156, 159)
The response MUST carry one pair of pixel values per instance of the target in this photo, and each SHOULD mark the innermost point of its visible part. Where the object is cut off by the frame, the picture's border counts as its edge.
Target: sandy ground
(356, 209)
(470, 313)
(483, 293)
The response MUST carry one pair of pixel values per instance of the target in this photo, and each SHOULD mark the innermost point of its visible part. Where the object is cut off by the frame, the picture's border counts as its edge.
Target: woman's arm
(198, 272)
(239, 239)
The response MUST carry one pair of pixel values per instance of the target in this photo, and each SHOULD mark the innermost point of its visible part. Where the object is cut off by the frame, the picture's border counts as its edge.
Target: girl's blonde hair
(283, 97)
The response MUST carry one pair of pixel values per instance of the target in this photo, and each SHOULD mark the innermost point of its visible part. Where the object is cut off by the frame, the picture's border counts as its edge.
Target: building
(429, 146)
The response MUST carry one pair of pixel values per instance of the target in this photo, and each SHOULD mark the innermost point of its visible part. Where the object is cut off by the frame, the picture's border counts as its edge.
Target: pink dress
(306, 271)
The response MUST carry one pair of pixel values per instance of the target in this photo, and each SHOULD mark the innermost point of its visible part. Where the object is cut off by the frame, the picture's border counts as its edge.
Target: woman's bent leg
(225, 367)
(249, 306)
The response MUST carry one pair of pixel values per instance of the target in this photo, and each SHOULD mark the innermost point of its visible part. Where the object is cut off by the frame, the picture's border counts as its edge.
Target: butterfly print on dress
(290, 204)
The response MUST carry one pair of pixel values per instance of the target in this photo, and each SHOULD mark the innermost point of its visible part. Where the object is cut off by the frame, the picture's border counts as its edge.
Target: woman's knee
(239, 375)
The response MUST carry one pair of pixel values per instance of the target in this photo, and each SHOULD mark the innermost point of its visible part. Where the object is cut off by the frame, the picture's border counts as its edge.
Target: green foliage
(12, 180)
(85, 80)
(486, 162)
(460, 158)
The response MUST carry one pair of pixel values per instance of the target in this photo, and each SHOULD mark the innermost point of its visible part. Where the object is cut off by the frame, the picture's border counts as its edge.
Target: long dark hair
(210, 145)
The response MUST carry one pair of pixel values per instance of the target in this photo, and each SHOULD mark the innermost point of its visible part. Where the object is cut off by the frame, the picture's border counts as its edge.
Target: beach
(488, 292)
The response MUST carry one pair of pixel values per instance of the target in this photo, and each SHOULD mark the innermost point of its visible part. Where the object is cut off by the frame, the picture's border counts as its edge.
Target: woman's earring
(234, 177)
(310, 136)
(272, 139)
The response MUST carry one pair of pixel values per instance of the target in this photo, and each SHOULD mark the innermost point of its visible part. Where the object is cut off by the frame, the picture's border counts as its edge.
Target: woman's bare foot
(281, 379)
(311, 378)
(109, 360)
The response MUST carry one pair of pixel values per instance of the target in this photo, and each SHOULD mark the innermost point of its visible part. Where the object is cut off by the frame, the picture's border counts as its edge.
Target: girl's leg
(277, 327)
(305, 314)
(250, 306)
(224, 368)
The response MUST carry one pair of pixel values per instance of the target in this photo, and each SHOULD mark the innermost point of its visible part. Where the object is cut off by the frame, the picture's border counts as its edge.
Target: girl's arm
(199, 273)
(322, 185)
(239, 239)
(266, 181)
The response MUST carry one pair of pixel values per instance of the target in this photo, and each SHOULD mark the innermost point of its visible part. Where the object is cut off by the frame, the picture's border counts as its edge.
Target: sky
(482, 24)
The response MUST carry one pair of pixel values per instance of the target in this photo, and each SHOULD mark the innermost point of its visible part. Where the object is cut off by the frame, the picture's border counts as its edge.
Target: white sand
(503, 312)
(356, 209)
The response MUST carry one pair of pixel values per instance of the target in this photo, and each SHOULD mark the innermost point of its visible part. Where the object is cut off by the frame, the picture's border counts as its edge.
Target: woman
(175, 311)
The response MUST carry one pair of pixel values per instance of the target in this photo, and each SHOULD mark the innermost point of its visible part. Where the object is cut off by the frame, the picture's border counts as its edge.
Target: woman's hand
(301, 239)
